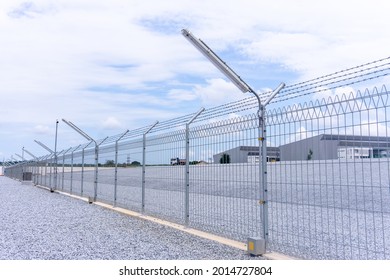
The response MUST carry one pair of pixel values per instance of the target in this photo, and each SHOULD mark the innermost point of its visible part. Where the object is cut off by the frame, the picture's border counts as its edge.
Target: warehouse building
(320, 147)
(247, 154)
(328, 146)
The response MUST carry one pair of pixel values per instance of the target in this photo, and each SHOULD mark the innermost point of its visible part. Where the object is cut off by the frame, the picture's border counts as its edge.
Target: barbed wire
(347, 77)
(340, 72)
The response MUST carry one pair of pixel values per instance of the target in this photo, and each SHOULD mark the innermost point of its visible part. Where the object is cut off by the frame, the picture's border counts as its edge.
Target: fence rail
(328, 167)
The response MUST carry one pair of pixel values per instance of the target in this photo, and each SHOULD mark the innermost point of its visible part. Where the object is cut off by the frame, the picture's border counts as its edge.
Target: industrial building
(320, 147)
(328, 146)
(247, 154)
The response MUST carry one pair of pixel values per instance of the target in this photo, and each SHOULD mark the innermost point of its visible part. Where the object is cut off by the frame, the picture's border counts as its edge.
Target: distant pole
(55, 158)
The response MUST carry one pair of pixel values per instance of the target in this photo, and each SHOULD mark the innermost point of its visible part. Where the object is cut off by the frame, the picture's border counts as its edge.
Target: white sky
(109, 66)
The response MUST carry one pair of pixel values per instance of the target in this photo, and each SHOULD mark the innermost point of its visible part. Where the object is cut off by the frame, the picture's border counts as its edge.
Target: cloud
(183, 95)
(217, 92)
(41, 129)
(111, 123)
(89, 61)
(28, 10)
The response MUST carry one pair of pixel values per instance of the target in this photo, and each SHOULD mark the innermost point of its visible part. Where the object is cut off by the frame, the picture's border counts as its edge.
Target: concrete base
(256, 246)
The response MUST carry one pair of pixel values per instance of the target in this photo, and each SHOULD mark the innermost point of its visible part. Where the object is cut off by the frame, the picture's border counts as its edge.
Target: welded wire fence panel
(329, 194)
(65, 173)
(328, 172)
(77, 173)
(88, 174)
(224, 181)
(129, 175)
(106, 174)
(48, 173)
(165, 176)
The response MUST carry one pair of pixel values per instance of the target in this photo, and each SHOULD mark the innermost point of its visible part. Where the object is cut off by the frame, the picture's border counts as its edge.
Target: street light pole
(244, 87)
(55, 158)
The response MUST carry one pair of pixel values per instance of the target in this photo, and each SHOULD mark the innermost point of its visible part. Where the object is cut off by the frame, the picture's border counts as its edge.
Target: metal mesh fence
(327, 168)
(330, 191)
(128, 193)
(165, 176)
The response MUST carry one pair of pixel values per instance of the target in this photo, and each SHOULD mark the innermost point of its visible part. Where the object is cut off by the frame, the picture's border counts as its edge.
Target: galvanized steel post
(82, 168)
(263, 165)
(144, 164)
(116, 165)
(95, 183)
(55, 157)
(63, 168)
(187, 169)
(71, 169)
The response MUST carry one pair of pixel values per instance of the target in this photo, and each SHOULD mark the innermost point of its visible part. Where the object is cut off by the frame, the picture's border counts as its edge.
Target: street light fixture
(218, 62)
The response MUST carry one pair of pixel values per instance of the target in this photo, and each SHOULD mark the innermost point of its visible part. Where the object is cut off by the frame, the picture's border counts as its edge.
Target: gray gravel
(37, 224)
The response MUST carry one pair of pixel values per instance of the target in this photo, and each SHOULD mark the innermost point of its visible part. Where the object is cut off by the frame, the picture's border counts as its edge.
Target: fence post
(82, 168)
(40, 171)
(116, 165)
(71, 169)
(56, 169)
(63, 168)
(187, 169)
(56, 159)
(144, 164)
(263, 166)
(95, 187)
(46, 163)
(51, 172)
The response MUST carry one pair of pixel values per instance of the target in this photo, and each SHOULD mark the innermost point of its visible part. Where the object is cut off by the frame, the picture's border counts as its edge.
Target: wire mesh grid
(129, 176)
(328, 173)
(224, 186)
(165, 176)
(329, 194)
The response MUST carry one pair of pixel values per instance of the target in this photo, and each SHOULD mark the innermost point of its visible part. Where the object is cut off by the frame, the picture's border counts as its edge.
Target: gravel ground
(37, 224)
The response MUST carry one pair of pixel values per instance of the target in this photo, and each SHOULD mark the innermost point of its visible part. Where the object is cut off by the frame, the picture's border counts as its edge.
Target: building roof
(352, 140)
